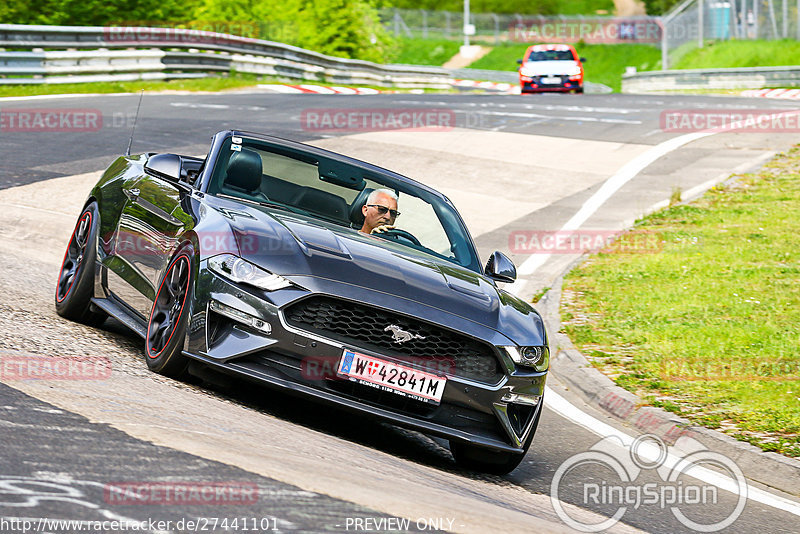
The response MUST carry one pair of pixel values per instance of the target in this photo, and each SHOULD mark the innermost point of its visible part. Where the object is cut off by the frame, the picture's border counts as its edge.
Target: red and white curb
(502, 87)
(319, 89)
(788, 94)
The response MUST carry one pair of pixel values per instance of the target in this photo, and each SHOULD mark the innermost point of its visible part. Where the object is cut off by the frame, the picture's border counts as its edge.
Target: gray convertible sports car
(258, 261)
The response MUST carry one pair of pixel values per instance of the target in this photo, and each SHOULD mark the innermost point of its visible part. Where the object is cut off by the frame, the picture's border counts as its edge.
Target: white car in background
(551, 68)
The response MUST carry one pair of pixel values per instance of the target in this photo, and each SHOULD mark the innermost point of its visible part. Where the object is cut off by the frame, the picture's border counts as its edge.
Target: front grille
(361, 326)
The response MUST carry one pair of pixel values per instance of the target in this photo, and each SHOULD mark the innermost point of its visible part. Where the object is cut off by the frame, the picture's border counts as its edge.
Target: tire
(169, 317)
(75, 285)
(485, 460)
(579, 90)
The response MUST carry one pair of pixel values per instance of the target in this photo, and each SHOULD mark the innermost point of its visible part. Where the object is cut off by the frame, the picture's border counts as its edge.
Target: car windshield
(551, 55)
(308, 185)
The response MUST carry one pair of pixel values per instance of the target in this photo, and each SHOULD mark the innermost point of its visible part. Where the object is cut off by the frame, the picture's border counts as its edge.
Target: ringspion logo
(610, 474)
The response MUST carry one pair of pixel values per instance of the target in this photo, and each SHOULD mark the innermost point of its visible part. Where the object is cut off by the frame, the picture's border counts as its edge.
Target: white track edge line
(563, 407)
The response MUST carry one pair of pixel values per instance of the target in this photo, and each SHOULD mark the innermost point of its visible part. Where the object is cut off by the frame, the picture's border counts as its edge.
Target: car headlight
(527, 72)
(537, 357)
(242, 271)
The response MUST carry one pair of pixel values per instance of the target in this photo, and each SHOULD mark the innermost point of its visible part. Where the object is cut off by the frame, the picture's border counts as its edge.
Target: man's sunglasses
(382, 210)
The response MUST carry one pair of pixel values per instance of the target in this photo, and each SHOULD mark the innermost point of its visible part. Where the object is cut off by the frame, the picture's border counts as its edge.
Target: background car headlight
(242, 271)
(537, 357)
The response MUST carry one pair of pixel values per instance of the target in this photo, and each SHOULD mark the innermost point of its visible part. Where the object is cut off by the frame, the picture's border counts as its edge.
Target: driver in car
(380, 211)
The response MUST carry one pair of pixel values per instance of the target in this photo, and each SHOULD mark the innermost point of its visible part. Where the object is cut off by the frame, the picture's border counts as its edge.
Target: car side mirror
(519, 62)
(583, 60)
(164, 166)
(500, 268)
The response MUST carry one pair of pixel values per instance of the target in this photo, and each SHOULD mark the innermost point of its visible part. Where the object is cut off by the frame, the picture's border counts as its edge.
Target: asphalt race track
(511, 164)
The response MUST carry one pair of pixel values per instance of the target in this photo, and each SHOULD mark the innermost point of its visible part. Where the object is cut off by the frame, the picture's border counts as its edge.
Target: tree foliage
(659, 7)
(95, 12)
(344, 28)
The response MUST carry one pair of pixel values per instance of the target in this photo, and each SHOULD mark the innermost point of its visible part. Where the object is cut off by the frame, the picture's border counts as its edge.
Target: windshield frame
(450, 220)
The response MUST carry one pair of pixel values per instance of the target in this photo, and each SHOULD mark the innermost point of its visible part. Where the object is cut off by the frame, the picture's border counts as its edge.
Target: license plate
(551, 80)
(389, 376)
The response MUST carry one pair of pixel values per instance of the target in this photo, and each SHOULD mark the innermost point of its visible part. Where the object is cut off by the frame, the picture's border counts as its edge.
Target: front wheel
(169, 316)
(75, 285)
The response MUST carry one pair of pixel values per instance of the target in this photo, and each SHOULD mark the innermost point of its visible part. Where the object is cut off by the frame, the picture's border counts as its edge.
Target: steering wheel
(396, 233)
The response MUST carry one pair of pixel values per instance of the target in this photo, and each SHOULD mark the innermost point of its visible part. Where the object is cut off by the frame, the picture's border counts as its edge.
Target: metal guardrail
(736, 78)
(179, 53)
(510, 76)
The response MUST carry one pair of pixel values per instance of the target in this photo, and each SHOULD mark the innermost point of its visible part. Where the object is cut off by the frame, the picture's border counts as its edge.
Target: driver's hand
(381, 229)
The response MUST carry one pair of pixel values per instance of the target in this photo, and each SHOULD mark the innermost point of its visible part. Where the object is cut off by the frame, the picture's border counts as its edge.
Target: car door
(147, 234)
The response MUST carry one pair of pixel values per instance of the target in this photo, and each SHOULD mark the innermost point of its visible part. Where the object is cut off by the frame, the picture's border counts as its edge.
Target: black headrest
(244, 170)
(322, 202)
(356, 215)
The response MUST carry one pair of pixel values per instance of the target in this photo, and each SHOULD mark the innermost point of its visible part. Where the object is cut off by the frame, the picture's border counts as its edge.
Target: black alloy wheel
(75, 285)
(169, 316)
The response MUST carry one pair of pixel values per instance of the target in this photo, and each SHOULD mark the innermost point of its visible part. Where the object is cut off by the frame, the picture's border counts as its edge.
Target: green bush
(343, 28)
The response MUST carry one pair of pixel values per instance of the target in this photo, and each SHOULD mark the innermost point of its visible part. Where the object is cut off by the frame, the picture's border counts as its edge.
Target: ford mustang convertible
(257, 261)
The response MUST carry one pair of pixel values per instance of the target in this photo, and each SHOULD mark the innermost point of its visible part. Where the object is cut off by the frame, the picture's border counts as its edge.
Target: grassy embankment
(708, 327)
(200, 84)
(741, 54)
(434, 52)
(606, 63)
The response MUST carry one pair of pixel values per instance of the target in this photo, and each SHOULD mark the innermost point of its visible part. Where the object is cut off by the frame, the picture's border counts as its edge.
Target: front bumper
(496, 416)
(539, 84)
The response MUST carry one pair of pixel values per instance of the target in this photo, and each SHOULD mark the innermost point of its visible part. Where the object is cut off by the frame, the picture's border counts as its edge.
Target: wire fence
(689, 25)
(695, 22)
(498, 28)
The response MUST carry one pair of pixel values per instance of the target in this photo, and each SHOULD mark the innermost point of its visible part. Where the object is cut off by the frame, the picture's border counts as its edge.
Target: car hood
(331, 257)
(543, 68)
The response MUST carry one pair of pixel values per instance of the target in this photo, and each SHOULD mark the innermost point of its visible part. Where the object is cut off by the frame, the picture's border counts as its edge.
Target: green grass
(200, 84)
(425, 52)
(740, 54)
(708, 326)
(605, 63)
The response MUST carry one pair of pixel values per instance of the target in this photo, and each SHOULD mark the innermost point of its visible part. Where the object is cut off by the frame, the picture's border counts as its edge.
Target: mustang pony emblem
(401, 336)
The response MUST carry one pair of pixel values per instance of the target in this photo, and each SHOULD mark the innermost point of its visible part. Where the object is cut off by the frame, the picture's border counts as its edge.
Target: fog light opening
(240, 316)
